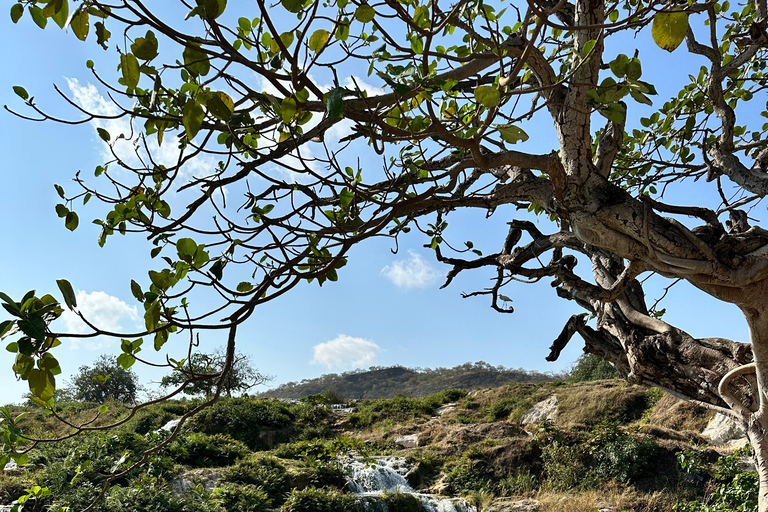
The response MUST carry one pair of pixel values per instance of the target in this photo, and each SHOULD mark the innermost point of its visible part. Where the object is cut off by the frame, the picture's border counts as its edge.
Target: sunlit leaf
(669, 29)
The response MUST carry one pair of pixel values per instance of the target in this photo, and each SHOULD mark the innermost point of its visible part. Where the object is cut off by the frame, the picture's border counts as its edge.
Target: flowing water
(388, 474)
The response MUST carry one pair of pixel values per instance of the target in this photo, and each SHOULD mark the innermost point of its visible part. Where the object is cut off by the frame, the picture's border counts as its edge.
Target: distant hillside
(378, 382)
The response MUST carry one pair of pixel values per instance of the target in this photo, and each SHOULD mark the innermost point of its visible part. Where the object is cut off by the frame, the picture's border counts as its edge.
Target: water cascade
(388, 475)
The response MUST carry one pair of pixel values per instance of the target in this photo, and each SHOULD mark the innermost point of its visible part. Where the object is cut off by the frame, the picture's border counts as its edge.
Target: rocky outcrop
(408, 440)
(505, 505)
(723, 429)
(208, 478)
(546, 410)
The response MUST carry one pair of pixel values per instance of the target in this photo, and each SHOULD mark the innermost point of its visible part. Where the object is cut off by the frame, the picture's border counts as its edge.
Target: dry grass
(612, 495)
(595, 402)
(671, 412)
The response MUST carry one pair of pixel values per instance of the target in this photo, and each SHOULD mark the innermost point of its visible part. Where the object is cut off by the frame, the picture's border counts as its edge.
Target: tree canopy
(105, 380)
(467, 88)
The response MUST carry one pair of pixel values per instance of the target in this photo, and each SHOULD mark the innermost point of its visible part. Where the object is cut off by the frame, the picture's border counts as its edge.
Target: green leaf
(487, 95)
(160, 338)
(71, 221)
(196, 62)
(192, 117)
(67, 292)
(20, 91)
(634, 69)
(512, 134)
(217, 269)
(80, 24)
(288, 110)
(17, 10)
(12, 347)
(613, 16)
(33, 326)
(335, 103)
(103, 409)
(318, 40)
(145, 48)
(104, 134)
(221, 105)
(42, 384)
(102, 34)
(364, 13)
(126, 360)
(211, 9)
(37, 16)
(244, 287)
(294, 6)
(131, 70)
(640, 97)
(136, 291)
(669, 29)
(186, 247)
(587, 48)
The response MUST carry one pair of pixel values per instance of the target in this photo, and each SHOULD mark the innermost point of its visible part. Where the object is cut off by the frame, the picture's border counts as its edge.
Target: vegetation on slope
(378, 382)
(255, 455)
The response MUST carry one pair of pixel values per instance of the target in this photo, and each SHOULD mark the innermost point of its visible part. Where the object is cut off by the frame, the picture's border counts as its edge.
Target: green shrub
(590, 367)
(147, 494)
(397, 501)
(265, 472)
(737, 490)
(466, 476)
(521, 483)
(312, 499)
(241, 498)
(564, 466)
(616, 454)
(202, 450)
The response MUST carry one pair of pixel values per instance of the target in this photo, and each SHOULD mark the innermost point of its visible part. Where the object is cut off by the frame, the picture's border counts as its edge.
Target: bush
(467, 476)
(589, 367)
(241, 498)
(318, 500)
(265, 472)
(737, 491)
(246, 419)
(147, 494)
(201, 450)
(521, 483)
(400, 502)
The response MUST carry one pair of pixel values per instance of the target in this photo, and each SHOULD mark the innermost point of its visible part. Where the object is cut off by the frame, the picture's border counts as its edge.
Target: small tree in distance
(590, 367)
(104, 380)
(197, 371)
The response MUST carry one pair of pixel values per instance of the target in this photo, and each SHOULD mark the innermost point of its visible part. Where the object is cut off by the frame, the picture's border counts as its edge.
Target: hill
(547, 447)
(378, 382)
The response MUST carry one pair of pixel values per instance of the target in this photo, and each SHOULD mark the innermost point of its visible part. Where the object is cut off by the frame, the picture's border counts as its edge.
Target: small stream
(387, 475)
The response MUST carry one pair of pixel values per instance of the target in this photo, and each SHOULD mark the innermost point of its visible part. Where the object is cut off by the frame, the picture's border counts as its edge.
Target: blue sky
(385, 309)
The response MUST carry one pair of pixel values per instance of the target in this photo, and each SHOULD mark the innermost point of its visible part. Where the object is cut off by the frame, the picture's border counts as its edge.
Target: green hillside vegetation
(611, 445)
(378, 382)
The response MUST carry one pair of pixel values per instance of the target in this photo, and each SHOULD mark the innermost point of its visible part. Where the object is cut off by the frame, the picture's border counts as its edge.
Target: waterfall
(388, 474)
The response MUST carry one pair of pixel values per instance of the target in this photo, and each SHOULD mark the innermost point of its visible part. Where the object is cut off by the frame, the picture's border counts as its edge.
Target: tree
(463, 82)
(105, 380)
(590, 367)
(240, 378)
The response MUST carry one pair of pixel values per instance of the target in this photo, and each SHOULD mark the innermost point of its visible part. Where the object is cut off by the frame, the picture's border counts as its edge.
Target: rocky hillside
(547, 447)
(388, 382)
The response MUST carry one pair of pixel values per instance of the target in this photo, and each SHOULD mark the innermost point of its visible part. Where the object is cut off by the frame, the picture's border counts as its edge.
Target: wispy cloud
(105, 311)
(413, 272)
(131, 149)
(346, 352)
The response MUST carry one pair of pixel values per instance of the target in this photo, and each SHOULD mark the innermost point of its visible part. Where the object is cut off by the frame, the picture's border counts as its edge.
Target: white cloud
(106, 312)
(413, 272)
(131, 149)
(346, 352)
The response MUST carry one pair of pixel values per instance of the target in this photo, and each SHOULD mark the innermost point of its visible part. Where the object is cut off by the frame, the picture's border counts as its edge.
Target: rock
(11, 466)
(444, 409)
(505, 505)
(723, 429)
(207, 477)
(546, 410)
(408, 441)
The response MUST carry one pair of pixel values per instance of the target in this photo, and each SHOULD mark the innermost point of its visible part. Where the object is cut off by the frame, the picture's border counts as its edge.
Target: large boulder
(723, 429)
(546, 410)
